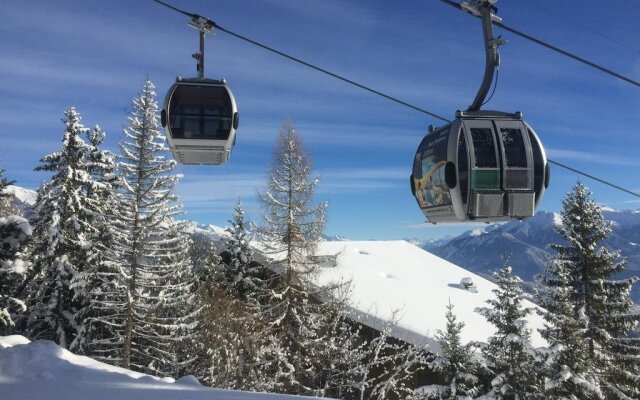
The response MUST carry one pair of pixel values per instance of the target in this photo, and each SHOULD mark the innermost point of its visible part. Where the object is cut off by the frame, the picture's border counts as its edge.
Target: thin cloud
(331, 11)
(50, 71)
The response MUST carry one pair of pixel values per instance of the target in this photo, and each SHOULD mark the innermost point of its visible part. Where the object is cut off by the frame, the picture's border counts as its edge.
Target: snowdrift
(42, 370)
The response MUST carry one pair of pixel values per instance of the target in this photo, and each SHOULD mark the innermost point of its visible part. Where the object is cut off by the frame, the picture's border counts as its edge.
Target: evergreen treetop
(508, 354)
(64, 225)
(586, 296)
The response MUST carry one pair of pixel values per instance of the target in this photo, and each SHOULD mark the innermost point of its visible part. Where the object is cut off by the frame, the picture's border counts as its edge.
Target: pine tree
(240, 275)
(568, 367)
(601, 305)
(455, 364)
(508, 354)
(175, 312)
(289, 238)
(228, 330)
(15, 232)
(101, 201)
(147, 250)
(64, 226)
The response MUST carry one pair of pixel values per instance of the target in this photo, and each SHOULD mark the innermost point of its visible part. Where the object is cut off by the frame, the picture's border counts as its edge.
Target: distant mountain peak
(334, 238)
(526, 243)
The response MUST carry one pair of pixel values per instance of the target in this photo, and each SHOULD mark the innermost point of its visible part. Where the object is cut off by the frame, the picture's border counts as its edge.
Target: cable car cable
(401, 102)
(181, 11)
(581, 26)
(595, 178)
(554, 48)
(309, 65)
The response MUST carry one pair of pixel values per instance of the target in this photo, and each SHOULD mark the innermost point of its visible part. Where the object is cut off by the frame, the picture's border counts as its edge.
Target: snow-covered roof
(390, 276)
(44, 370)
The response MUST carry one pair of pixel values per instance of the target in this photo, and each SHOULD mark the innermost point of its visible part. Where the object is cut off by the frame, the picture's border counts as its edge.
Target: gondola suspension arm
(204, 26)
(483, 9)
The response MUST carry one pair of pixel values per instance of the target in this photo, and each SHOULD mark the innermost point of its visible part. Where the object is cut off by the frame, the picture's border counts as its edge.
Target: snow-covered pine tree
(508, 354)
(211, 272)
(289, 238)
(228, 330)
(601, 303)
(15, 232)
(200, 252)
(455, 364)
(101, 198)
(240, 275)
(176, 310)
(568, 367)
(64, 226)
(150, 276)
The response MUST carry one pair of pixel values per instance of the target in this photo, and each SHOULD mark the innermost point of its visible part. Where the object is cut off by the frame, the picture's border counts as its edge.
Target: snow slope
(42, 370)
(394, 275)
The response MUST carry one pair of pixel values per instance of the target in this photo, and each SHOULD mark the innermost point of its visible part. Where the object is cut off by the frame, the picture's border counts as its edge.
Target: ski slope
(42, 370)
(397, 280)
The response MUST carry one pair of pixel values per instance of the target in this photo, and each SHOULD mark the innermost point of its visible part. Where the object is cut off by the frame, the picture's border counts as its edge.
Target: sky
(95, 55)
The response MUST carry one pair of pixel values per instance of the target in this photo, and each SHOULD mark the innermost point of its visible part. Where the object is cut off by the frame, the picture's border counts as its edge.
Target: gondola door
(517, 168)
(486, 195)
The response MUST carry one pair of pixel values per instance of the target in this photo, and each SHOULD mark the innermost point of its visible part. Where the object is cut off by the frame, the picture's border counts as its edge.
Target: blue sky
(94, 55)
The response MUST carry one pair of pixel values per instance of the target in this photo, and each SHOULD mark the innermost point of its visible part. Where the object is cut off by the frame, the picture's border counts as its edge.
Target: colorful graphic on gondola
(428, 174)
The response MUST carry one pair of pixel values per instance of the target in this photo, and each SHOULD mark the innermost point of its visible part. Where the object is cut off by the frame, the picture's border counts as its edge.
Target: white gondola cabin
(200, 120)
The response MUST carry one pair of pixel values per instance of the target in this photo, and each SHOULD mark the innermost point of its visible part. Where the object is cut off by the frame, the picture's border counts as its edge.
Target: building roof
(397, 280)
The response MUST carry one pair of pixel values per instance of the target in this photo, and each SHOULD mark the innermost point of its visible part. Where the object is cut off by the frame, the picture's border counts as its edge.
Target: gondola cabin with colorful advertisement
(486, 166)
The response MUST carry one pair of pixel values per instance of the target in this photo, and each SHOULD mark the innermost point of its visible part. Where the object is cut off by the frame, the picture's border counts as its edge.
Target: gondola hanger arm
(485, 9)
(473, 9)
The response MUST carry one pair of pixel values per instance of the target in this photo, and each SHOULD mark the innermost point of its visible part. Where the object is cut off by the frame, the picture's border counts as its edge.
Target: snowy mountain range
(526, 243)
(23, 199)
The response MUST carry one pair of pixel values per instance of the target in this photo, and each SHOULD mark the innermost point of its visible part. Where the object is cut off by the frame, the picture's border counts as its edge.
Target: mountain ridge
(526, 243)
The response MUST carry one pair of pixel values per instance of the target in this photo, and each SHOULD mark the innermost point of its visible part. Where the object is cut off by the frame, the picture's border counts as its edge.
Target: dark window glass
(200, 112)
(191, 127)
(515, 153)
(517, 179)
(211, 110)
(210, 127)
(463, 168)
(190, 109)
(484, 148)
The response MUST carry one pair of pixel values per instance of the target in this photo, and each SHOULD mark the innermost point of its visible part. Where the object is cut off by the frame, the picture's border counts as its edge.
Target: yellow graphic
(431, 189)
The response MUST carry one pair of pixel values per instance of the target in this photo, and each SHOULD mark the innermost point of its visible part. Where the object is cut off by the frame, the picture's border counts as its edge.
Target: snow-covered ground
(390, 276)
(42, 370)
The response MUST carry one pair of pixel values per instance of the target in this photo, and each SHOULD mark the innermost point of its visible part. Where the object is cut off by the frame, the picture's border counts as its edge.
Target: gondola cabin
(485, 166)
(200, 119)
